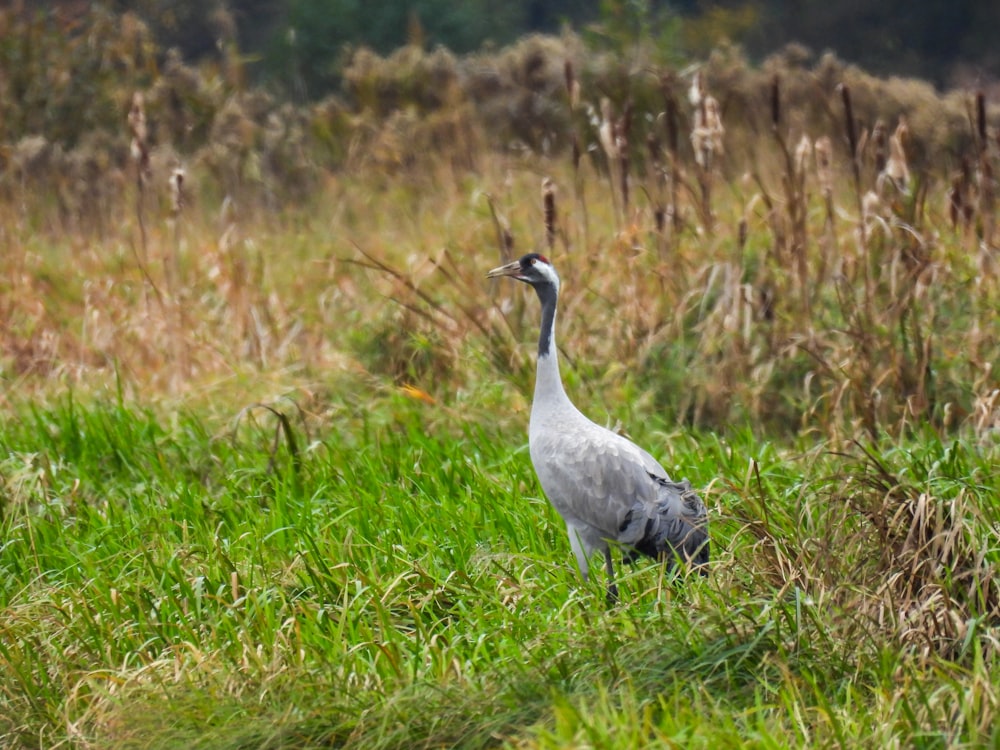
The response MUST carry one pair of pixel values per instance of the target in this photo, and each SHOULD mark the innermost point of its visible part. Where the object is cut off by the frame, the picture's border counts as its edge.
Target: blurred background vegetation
(267, 96)
(302, 44)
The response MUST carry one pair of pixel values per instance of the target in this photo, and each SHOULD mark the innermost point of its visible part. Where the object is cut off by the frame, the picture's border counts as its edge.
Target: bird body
(607, 489)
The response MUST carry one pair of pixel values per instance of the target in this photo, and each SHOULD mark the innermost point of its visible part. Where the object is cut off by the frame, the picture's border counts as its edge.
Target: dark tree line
(933, 39)
(305, 40)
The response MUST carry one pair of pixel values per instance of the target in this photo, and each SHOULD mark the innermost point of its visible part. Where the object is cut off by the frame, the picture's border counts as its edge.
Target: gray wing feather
(597, 477)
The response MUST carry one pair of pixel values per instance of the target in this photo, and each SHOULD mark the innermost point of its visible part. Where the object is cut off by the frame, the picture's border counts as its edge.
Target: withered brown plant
(140, 155)
(549, 212)
(706, 140)
(608, 137)
(794, 186)
(171, 262)
(987, 183)
(896, 170)
(672, 128)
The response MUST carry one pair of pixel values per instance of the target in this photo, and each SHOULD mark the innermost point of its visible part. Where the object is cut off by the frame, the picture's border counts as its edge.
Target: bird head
(533, 268)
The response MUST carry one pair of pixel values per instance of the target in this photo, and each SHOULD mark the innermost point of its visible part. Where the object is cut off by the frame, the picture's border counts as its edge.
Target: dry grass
(815, 293)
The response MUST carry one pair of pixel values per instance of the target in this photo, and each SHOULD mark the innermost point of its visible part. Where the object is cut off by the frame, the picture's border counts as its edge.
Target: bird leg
(578, 550)
(612, 596)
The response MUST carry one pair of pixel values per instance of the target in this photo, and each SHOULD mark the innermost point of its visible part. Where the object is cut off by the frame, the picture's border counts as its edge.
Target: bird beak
(511, 269)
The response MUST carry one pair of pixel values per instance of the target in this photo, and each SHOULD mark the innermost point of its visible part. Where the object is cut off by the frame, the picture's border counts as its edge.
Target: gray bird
(607, 489)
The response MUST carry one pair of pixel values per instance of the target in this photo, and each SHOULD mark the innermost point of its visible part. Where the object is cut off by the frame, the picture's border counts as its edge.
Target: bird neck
(548, 295)
(548, 383)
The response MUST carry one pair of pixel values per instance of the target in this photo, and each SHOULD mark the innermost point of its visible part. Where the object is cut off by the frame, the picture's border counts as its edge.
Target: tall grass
(401, 582)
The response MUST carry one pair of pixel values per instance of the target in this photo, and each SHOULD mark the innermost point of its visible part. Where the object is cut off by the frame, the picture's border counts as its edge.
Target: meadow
(264, 479)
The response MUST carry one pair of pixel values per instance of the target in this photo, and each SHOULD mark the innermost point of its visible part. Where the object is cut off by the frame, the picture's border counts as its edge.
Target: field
(264, 478)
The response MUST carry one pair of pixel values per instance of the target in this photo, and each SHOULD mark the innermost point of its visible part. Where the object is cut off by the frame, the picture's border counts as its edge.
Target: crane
(608, 490)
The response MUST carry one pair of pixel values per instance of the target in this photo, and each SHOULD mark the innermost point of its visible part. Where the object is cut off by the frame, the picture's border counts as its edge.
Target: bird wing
(600, 478)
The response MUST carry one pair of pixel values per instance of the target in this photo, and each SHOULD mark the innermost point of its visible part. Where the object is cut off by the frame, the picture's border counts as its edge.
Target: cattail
(896, 168)
(140, 154)
(572, 86)
(621, 144)
(706, 137)
(699, 136)
(625, 123)
(172, 262)
(962, 209)
(823, 149)
(670, 118)
(981, 118)
(176, 182)
(623, 169)
(653, 149)
(880, 145)
(955, 201)
(802, 153)
(660, 218)
(549, 211)
(852, 133)
(576, 153)
(775, 103)
(713, 121)
(987, 185)
(852, 136)
(606, 130)
(871, 209)
(140, 144)
(697, 90)
(768, 298)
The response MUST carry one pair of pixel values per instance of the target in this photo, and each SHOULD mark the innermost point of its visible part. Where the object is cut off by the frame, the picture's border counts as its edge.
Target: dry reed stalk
(573, 97)
(572, 85)
(987, 186)
(139, 149)
(579, 190)
(172, 268)
(171, 264)
(829, 255)
(897, 170)
(961, 209)
(505, 240)
(850, 128)
(236, 290)
(140, 155)
(880, 146)
(607, 136)
(793, 182)
(549, 212)
(670, 117)
(706, 140)
(656, 174)
(622, 129)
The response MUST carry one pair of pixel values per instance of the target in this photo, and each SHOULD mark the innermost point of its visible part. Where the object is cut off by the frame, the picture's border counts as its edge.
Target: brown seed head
(823, 149)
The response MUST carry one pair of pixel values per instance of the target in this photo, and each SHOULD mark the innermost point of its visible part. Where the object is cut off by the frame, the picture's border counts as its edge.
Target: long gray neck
(549, 390)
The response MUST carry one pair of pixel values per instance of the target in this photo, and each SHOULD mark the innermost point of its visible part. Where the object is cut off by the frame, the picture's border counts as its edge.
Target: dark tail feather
(692, 547)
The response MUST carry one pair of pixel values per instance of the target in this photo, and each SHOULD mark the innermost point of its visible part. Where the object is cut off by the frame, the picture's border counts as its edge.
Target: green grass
(395, 579)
